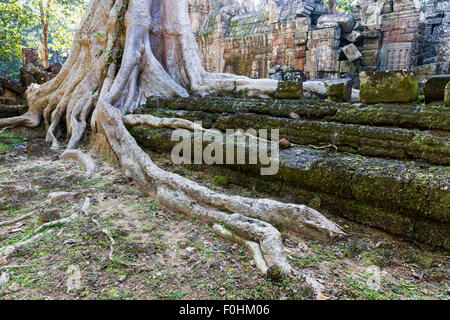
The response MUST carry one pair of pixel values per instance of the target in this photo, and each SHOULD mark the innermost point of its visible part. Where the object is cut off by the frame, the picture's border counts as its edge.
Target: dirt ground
(180, 258)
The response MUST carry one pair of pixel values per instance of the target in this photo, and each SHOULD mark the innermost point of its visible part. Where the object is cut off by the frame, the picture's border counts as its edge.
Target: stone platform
(390, 169)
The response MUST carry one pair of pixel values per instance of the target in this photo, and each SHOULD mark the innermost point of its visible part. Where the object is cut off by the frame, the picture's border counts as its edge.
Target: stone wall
(389, 35)
(251, 43)
(407, 34)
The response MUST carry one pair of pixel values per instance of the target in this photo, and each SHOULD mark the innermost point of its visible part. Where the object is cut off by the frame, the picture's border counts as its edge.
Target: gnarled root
(14, 221)
(251, 219)
(252, 246)
(160, 58)
(9, 250)
(85, 160)
(255, 230)
(295, 217)
(57, 197)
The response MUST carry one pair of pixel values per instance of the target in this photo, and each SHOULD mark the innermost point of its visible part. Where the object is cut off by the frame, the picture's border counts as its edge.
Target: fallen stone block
(388, 87)
(11, 86)
(353, 36)
(336, 90)
(32, 73)
(289, 90)
(351, 52)
(339, 90)
(315, 89)
(435, 88)
(345, 21)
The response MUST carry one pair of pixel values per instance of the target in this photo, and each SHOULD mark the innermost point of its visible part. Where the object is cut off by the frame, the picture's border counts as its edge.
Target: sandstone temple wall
(387, 35)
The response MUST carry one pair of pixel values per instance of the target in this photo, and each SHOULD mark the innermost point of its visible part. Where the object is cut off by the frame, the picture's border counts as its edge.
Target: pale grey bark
(160, 58)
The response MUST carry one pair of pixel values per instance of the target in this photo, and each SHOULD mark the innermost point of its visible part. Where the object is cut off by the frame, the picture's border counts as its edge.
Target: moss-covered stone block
(289, 90)
(396, 143)
(388, 87)
(402, 197)
(339, 90)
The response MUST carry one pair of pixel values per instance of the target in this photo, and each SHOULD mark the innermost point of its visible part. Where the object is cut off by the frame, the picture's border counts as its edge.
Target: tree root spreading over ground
(124, 53)
(181, 256)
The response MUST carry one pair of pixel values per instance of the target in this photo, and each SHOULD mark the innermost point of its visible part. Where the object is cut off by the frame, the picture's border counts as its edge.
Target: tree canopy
(14, 18)
(21, 25)
(346, 6)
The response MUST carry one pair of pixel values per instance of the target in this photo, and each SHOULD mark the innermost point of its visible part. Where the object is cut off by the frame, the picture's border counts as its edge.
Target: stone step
(402, 197)
(10, 101)
(384, 142)
(395, 143)
(416, 117)
(7, 111)
(435, 88)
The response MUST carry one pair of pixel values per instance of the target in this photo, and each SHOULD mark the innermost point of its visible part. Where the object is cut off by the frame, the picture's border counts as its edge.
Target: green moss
(338, 92)
(430, 146)
(289, 90)
(9, 140)
(156, 139)
(389, 87)
(239, 64)
(221, 181)
(401, 197)
(404, 116)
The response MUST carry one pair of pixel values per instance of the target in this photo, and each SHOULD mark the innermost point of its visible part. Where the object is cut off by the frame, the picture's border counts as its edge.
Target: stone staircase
(388, 167)
(10, 107)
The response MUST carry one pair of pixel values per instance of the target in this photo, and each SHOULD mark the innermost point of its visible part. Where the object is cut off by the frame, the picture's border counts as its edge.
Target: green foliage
(14, 18)
(65, 16)
(21, 26)
(347, 6)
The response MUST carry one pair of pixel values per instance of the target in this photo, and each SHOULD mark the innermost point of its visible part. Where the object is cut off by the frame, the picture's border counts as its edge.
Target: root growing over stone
(124, 53)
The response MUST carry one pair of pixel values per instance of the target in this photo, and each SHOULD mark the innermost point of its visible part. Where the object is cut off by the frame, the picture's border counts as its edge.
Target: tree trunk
(332, 6)
(149, 50)
(45, 20)
(45, 45)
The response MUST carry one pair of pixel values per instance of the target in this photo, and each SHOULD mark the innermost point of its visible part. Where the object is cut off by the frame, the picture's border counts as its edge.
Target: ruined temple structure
(239, 38)
(32, 71)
